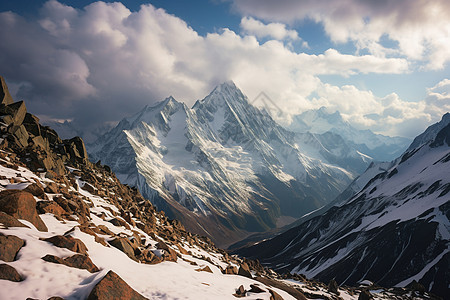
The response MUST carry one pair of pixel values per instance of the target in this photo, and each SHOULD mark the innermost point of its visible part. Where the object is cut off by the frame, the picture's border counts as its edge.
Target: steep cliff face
(395, 230)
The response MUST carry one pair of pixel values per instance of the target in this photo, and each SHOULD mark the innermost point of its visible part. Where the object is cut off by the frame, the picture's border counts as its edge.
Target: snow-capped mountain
(70, 230)
(395, 230)
(377, 146)
(224, 167)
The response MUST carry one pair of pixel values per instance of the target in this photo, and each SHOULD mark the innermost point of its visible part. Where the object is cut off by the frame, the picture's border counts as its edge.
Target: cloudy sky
(385, 65)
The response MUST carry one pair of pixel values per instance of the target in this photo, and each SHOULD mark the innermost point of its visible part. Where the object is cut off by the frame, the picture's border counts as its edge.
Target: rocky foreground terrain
(70, 230)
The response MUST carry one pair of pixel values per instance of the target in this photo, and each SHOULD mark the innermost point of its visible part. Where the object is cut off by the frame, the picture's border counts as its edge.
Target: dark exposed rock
(9, 273)
(113, 287)
(36, 190)
(21, 205)
(124, 245)
(244, 270)
(32, 125)
(365, 295)
(240, 292)
(5, 96)
(232, 270)
(274, 295)
(76, 150)
(254, 288)
(9, 247)
(416, 286)
(333, 287)
(68, 242)
(169, 254)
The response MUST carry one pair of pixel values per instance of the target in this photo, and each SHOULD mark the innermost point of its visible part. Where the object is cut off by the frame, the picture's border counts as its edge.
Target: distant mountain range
(395, 230)
(224, 167)
(377, 146)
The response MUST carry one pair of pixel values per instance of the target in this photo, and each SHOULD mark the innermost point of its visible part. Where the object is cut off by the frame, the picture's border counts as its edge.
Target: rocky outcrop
(21, 205)
(113, 287)
(5, 97)
(46, 151)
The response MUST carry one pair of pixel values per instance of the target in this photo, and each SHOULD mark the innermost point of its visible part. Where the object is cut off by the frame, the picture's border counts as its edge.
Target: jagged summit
(226, 165)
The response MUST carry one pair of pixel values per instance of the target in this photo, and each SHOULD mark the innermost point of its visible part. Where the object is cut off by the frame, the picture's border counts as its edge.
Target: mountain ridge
(400, 216)
(226, 162)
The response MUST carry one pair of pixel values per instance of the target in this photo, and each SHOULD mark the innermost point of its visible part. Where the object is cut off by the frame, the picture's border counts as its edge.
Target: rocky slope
(395, 230)
(224, 167)
(377, 146)
(70, 230)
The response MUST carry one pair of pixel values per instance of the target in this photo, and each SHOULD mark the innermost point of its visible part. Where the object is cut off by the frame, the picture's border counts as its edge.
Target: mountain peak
(226, 92)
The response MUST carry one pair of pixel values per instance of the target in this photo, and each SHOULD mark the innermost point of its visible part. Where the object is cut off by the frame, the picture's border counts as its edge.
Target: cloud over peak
(103, 62)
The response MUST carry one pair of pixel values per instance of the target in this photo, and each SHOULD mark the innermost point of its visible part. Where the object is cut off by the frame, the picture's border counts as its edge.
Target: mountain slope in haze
(224, 167)
(394, 231)
(377, 146)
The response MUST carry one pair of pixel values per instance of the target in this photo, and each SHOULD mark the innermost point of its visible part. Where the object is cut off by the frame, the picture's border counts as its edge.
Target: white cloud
(420, 28)
(276, 31)
(104, 62)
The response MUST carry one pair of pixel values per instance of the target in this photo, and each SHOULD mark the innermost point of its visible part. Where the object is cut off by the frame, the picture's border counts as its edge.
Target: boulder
(119, 222)
(52, 207)
(244, 270)
(32, 125)
(274, 295)
(169, 254)
(21, 205)
(124, 245)
(149, 257)
(68, 242)
(415, 286)
(76, 150)
(333, 287)
(51, 188)
(81, 261)
(36, 190)
(16, 110)
(9, 221)
(5, 96)
(9, 273)
(232, 270)
(113, 287)
(78, 261)
(256, 289)
(240, 292)
(365, 295)
(9, 247)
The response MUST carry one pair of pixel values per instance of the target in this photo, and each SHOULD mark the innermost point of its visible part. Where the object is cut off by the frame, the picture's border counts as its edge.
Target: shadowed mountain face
(224, 167)
(395, 230)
